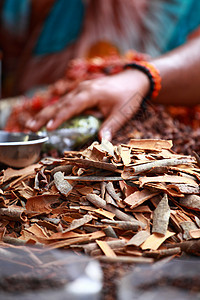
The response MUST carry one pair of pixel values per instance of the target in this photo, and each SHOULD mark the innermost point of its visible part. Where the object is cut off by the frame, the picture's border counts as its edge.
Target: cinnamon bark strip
(107, 250)
(160, 163)
(125, 154)
(115, 244)
(92, 163)
(103, 189)
(187, 226)
(79, 222)
(191, 247)
(110, 200)
(155, 240)
(14, 214)
(63, 186)
(125, 225)
(139, 238)
(109, 231)
(167, 178)
(195, 233)
(41, 203)
(191, 201)
(150, 144)
(162, 253)
(74, 241)
(161, 216)
(99, 202)
(139, 197)
(110, 189)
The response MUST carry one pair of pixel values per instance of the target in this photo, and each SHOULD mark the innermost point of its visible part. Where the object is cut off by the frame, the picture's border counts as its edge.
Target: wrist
(140, 80)
(151, 73)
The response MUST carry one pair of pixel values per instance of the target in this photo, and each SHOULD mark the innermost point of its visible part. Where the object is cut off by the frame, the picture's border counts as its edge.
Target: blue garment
(62, 26)
(15, 15)
(169, 23)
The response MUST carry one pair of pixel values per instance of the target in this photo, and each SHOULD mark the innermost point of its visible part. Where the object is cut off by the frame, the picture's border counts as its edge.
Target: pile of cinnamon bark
(135, 202)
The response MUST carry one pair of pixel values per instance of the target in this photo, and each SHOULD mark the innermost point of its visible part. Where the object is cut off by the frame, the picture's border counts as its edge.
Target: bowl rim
(41, 139)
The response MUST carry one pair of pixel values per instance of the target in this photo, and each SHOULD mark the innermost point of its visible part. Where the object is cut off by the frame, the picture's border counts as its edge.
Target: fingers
(117, 118)
(41, 118)
(54, 115)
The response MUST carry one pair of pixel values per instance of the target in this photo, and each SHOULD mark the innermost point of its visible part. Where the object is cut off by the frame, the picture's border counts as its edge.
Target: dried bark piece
(41, 203)
(195, 233)
(26, 191)
(13, 173)
(63, 186)
(38, 231)
(125, 154)
(13, 213)
(2, 202)
(139, 238)
(99, 202)
(100, 211)
(191, 201)
(109, 231)
(151, 144)
(115, 244)
(139, 197)
(161, 216)
(144, 167)
(74, 241)
(103, 189)
(168, 178)
(91, 163)
(162, 253)
(110, 189)
(107, 250)
(190, 247)
(125, 225)
(85, 190)
(107, 147)
(187, 226)
(184, 188)
(79, 222)
(110, 200)
(155, 240)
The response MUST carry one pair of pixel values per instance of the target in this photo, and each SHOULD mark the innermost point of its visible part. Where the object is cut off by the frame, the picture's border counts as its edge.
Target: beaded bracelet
(153, 74)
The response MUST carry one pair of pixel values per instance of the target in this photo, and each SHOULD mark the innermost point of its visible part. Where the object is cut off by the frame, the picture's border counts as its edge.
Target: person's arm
(119, 96)
(180, 73)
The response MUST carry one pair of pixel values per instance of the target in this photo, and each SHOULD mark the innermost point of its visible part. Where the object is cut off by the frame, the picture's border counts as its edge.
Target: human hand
(117, 97)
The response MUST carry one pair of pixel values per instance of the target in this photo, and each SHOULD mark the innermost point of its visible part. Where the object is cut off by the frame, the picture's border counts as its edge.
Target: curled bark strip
(13, 214)
(161, 216)
(162, 253)
(139, 238)
(61, 184)
(125, 225)
(79, 222)
(99, 202)
(110, 189)
(191, 201)
(161, 163)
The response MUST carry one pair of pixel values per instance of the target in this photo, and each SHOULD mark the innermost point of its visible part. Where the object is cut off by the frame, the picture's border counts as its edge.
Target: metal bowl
(19, 149)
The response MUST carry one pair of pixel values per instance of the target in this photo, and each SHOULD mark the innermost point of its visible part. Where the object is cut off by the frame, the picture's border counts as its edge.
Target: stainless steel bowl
(20, 149)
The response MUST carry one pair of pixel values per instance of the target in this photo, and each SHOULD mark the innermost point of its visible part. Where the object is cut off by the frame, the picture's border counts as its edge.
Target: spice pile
(134, 202)
(182, 125)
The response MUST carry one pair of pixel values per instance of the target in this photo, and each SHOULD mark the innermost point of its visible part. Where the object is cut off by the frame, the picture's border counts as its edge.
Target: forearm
(180, 73)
